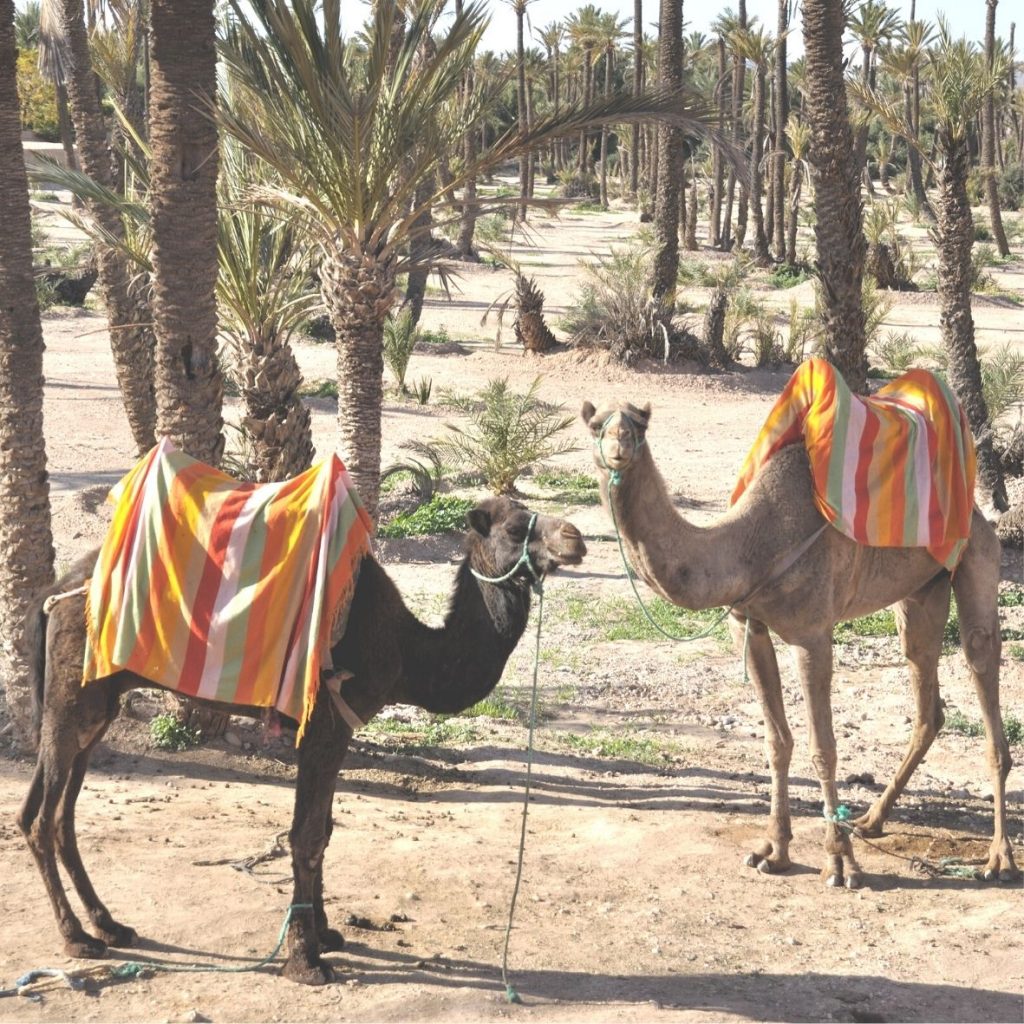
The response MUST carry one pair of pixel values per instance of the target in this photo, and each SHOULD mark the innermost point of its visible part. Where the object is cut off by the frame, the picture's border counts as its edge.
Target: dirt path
(650, 782)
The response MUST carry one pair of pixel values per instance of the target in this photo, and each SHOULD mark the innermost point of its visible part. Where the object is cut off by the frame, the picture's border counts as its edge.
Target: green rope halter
(524, 559)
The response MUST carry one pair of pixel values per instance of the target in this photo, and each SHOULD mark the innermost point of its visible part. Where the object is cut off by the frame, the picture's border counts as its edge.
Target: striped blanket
(225, 590)
(893, 470)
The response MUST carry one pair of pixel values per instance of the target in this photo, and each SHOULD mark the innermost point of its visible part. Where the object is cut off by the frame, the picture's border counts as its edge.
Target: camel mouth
(573, 557)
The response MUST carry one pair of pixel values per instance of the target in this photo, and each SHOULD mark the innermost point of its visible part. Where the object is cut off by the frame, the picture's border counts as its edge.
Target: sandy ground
(635, 904)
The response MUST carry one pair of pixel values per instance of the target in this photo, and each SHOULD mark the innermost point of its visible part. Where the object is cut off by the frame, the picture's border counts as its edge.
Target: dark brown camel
(393, 659)
(745, 561)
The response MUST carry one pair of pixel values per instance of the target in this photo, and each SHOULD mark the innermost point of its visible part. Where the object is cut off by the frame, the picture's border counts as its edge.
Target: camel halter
(524, 559)
(615, 475)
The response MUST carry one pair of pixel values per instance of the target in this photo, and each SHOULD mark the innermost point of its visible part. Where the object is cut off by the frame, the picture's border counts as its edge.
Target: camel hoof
(331, 940)
(752, 860)
(765, 867)
(120, 936)
(86, 948)
(318, 973)
(867, 829)
(834, 881)
(854, 880)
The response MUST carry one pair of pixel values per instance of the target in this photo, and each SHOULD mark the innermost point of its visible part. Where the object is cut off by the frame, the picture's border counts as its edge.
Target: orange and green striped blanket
(225, 590)
(893, 470)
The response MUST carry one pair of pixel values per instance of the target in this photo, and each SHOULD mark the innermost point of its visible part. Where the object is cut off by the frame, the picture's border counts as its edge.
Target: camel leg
(331, 940)
(106, 928)
(920, 620)
(320, 755)
(772, 854)
(814, 663)
(976, 584)
(38, 822)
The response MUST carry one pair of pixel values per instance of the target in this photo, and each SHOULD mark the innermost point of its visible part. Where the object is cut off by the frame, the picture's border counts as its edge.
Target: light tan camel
(741, 562)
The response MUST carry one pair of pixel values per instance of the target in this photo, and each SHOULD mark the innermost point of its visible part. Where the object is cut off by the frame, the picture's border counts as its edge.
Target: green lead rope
(133, 968)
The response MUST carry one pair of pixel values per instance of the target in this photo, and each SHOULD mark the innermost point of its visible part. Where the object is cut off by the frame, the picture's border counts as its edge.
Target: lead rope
(537, 586)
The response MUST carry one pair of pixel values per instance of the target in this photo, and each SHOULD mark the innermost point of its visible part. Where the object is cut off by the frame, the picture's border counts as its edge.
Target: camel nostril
(570, 531)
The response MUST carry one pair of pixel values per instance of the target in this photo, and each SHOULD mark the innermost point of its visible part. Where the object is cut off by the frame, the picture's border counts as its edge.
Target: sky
(966, 17)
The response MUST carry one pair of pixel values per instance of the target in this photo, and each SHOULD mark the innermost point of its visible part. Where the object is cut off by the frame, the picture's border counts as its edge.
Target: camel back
(225, 590)
(893, 470)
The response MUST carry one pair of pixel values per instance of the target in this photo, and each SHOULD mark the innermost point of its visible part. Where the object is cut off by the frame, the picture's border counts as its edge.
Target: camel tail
(35, 650)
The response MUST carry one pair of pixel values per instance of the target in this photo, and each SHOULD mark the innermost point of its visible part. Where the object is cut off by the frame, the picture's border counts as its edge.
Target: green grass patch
(1011, 596)
(572, 488)
(320, 389)
(438, 337)
(444, 513)
(958, 722)
(624, 748)
(877, 624)
(1015, 651)
(496, 705)
(624, 619)
(168, 733)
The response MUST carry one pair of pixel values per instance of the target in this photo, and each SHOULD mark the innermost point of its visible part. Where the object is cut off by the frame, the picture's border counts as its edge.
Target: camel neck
(450, 668)
(677, 559)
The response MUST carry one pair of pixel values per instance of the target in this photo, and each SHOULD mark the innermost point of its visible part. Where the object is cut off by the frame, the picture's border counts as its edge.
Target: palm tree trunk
(604, 127)
(524, 159)
(794, 211)
(419, 247)
(67, 139)
(26, 541)
(690, 236)
(359, 291)
(781, 117)
(670, 161)
(715, 226)
(915, 182)
(189, 386)
(955, 238)
(761, 253)
(988, 137)
(129, 342)
(837, 201)
(638, 44)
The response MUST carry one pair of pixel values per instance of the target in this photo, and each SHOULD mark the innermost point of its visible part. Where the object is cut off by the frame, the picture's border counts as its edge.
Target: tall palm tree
(961, 82)
(835, 173)
(872, 24)
(129, 339)
(670, 161)
(988, 135)
(754, 46)
(798, 136)
(519, 8)
(25, 534)
(337, 130)
(638, 84)
(583, 27)
(551, 38)
(781, 117)
(183, 70)
(48, 39)
(611, 30)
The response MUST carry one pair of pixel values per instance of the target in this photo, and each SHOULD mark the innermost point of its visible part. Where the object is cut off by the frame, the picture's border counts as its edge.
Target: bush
(38, 98)
(168, 733)
(507, 433)
(444, 513)
(897, 352)
(1011, 187)
(400, 337)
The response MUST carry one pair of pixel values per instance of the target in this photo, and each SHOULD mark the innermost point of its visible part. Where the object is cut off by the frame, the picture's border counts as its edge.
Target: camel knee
(824, 762)
(981, 648)
(780, 748)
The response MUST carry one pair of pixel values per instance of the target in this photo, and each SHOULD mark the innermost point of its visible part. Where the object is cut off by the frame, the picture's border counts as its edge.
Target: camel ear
(587, 412)
(645, 412)
(479, 520)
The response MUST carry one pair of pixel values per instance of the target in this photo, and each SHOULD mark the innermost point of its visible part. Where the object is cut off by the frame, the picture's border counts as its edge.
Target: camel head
(498, 530)
(619, 430)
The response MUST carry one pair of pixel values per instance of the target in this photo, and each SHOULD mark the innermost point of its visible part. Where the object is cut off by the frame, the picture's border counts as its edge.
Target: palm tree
(798, 135)
(519, 7)
(988, 134)
(960, 84)
(42, 23)
(638, 84)
(583, 27)
(611, 30)
(754, 45)
(129, 340)
(551, 38)
(781, 117)
(872, 25)
(183, 69)
(337, 130)
(25, 535)
(835, 172)
(670, 161)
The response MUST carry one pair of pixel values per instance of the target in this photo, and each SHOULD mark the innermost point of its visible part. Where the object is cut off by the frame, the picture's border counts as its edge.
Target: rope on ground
(944, 867)
(275, 849)
(134, 968)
